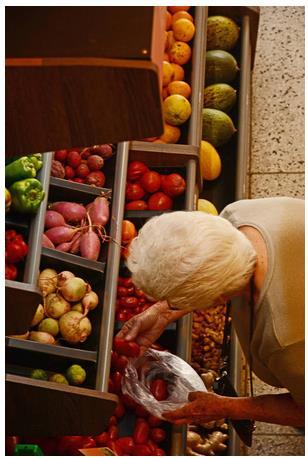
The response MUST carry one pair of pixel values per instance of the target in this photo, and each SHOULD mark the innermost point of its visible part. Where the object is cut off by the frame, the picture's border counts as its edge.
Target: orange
(170, 39)
(180, 53)
(164, 92)
(176, 109)
(167, 73)
(166, 57)
(178, 72)
(183, 30)
(168, 20)
(182, 14)
(171, 134)
(166, 40)
(179, 87)
(175, 9)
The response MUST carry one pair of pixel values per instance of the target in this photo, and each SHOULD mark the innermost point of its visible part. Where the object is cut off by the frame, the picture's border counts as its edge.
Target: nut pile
(207, 337)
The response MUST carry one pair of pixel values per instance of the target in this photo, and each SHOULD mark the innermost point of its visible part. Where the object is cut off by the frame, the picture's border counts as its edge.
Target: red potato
(75, 246)
(82, 171)
(173, 185)
(95, 162)
(150, 181)
(90, 245)
(73, 159)
(96, 178)
(105, 151)
(160, 201)
(54, 219)
(69, 172)
(98, 211)
(60, 155)
(136, 205)
(71, 211)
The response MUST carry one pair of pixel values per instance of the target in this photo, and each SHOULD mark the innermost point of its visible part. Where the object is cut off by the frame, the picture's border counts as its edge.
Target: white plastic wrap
(180, 377)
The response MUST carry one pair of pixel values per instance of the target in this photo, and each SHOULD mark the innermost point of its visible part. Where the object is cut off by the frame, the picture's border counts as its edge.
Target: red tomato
(121, 363)
(157, 435)
(126, 444)
(10, 444)
(159, 452)
(135, 170)
(66, 443)
(117, 378)
(121, 316)
(113, 421)
(141, 412)
(173, 185)
(102, 439)
(139, 293)
(111, 388)
(134, 191)
(141, 432)
(150, 181)
(113, 432)
(152, 445)
(115, 447)
(114, 357)
(127, 282)
(128, 231)
(160, 201)
(142, 450)
(119, 410)
(136, 205)
(131, 290)
(128, 401)
(159, 389)
(154, 421)
(122, 291)
(129, 302)
(129, 349)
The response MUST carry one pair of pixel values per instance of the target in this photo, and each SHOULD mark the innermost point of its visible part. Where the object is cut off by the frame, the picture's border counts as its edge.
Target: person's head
(190, 259)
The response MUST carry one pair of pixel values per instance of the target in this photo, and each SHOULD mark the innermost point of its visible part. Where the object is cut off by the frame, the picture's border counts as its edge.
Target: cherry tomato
(141, 432)
(113, 421)
(114, 357)
(135, 170)
(102, 439)
(115, 447)
(127, 282)
(122, 291)
(131, 290)
(10, 444)
(129, 349)
(121, 363)
(157, 435)
(159, 389)
(111, 388)
(141, 412)
(121, 316)
(173, 185)
(142, 450)
(160, 201)
(150, 181)
(154, 421)
(139, 293)
(113, 432)
(128, 401)
(68, 443)
(126, 444)
(159, 452)
(136, 205)
(134, 192)
(117, 378)
(129, 302)
(119, 410)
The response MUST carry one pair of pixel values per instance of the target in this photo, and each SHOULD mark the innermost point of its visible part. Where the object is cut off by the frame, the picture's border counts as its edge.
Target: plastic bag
(181, 379)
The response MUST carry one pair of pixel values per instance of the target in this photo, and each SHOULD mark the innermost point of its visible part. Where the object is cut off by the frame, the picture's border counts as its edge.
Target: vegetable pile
(16, 250)
(149, 190)
(130, 300)
(77, 229)
(67, 300)
(74, 375)
(25, 192)
(82, 165)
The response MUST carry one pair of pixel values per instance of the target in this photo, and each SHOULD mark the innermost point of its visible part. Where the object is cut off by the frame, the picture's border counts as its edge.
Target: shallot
(72, 212)
(42, 337)
(61, 234)
(46, 242)
(98, 211)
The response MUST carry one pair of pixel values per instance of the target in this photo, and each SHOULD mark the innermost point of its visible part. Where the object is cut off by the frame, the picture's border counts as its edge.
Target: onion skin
(90, 245)
(63, 276)
(56, 306)
(74, 327)
(21, 336)
(98, 211)
(72, 212)
(53, 219)
(42, 337)
(90, 301)
(60, 234)
(38, 316)
(46, 242)
(74, 289)
(47, 281)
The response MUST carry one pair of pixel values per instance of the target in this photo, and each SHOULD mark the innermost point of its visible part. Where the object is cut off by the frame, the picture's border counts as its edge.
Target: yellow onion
(42, 337)
(90, 301)
(56, 305)
(39, 315)
(74, 327)
(47, 281)
(74, 289)
(63, 276)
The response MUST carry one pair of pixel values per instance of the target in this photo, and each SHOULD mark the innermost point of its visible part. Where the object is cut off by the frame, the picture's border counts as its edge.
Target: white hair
(190, 259)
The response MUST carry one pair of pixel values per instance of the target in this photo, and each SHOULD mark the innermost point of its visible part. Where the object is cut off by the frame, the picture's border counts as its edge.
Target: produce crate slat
(65, 352)
(82, 188)
(73, 259)
(179, 151)
(112, 269)
(37, 226)
(21, 301)
(74, 410)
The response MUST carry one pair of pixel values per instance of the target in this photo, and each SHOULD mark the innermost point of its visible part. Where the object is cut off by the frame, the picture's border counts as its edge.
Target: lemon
(210, 162)
(206, 206)
(177, 109)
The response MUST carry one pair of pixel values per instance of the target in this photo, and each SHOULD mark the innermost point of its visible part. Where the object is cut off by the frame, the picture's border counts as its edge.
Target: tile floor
(277, 155)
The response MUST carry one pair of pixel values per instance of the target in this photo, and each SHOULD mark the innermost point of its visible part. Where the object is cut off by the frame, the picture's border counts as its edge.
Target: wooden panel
(79, 31)
(21, 301)
(39, 408)
(54, 103)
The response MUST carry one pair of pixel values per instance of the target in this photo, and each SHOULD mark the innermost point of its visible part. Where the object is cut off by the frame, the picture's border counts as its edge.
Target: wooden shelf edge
(188, 151)
(80, 187)
(74, 259)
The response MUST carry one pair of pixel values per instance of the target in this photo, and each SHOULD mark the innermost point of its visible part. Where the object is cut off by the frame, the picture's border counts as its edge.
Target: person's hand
(146, 328)
(202, 408)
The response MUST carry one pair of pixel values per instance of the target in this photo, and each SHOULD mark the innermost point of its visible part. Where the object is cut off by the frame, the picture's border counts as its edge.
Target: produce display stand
(87, 410)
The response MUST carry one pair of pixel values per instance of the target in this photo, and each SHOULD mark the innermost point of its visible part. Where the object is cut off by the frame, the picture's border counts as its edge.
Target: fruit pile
(219, 96)
(82, 165)
(149, 190)
(74, 375)
(67, 300)
(176, 90)
(16, 250)
(75, 228)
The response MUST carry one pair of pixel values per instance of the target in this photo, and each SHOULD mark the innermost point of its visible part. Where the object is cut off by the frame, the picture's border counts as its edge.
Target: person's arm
(147, 327)
(269, 408)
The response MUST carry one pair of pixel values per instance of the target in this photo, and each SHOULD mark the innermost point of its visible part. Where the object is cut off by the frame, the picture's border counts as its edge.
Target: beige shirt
(278, 336)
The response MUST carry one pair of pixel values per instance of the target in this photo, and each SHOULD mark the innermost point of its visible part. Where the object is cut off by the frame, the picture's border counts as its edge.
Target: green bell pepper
(37, 160)
(27, 195)
(20, 169)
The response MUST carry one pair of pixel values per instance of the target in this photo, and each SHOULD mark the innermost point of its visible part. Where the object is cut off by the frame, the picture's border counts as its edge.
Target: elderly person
(254, 249)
